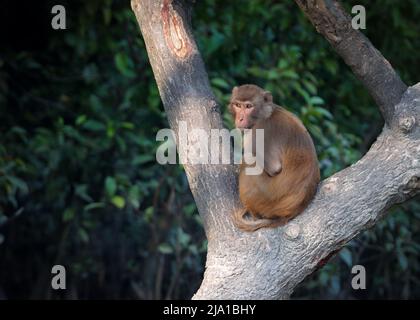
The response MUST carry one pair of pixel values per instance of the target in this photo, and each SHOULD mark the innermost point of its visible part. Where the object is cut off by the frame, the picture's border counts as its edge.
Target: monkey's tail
(251, 225)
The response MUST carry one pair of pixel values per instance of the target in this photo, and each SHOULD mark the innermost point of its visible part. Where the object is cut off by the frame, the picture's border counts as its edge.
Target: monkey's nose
(241, 123)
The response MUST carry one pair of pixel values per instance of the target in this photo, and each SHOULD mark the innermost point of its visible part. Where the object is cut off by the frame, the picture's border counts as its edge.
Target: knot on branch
(407, 111)
(330, 186)
(214, 108)
(406, 124)
(292, 231)
(134, 5)
(176, 36)
(412, 187)
(329, 19)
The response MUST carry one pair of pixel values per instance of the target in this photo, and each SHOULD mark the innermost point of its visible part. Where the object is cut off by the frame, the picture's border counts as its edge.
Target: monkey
(290, 174)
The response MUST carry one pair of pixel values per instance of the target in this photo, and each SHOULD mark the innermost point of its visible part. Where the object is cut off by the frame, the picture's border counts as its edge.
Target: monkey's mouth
(243, 126)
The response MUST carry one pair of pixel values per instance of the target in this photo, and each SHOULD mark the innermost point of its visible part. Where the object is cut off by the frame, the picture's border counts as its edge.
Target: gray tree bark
(269, 264)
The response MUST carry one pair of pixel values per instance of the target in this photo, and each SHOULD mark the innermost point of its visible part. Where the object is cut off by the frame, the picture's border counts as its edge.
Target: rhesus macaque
(290, 172)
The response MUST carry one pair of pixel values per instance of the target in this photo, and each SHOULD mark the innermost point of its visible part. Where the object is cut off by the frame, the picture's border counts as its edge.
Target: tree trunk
(270, 263)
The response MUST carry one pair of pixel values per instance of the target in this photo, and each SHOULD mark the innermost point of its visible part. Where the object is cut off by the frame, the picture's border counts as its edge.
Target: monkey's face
(245, 114)
(249, 104)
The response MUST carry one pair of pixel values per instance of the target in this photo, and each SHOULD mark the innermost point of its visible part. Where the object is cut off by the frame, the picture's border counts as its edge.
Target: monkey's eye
(248, 106)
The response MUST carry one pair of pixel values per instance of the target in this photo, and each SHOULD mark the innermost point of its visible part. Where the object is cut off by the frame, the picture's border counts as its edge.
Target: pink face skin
(243, 114)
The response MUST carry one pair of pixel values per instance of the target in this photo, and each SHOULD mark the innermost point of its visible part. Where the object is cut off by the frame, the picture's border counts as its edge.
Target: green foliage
(79, 184)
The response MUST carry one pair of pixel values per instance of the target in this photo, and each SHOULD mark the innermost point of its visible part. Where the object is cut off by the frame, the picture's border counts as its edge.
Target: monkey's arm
(269, 157)
(272, 163)
(269, 161)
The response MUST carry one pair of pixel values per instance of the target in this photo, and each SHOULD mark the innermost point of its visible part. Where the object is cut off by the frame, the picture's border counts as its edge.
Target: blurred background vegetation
(79, 111)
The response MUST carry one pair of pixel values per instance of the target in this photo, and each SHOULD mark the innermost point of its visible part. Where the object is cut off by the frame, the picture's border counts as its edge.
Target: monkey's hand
(270, 162)
(272, 168)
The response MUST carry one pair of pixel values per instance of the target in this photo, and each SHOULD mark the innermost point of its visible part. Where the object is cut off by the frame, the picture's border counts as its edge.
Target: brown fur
(274, 200)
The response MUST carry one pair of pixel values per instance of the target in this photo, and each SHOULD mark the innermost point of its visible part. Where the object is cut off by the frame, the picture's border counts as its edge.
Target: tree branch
(187, 97)
(268, 264)
(367, 63)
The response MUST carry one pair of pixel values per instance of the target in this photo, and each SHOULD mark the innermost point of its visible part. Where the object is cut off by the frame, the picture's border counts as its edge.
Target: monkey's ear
(268, 97)
(234, 90)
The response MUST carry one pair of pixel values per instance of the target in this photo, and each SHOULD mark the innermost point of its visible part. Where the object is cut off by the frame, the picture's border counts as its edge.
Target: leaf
(141, 159)
(95, 102)
(134, 196)
(193, 249)
(316, 100)
(18, 184)
(81, 119)
(148, 213)
(324, 112)
(302, 92)
(183, 238)
(68, 214)
(127, 125)
(94, 205)
(121, 143)
(118, 201)
(135, 203)
(21, 132)
(107, 15)
(122, 63)
(335, 284)
(94, 125)
(323, 278)
(83, 235)
(331, 66)
(255, 71)
(221, 83)
(402, 259)
(310, 86)
(289, 74)
(110, 131)
(273, 74)
(346, 256)
(189, 209)
(3, 219)
(165, 248)
(282, 64)
(81, 191)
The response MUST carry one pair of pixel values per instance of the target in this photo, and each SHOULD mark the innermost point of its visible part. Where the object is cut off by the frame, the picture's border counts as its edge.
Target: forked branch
(269, 264)
(367, 63)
